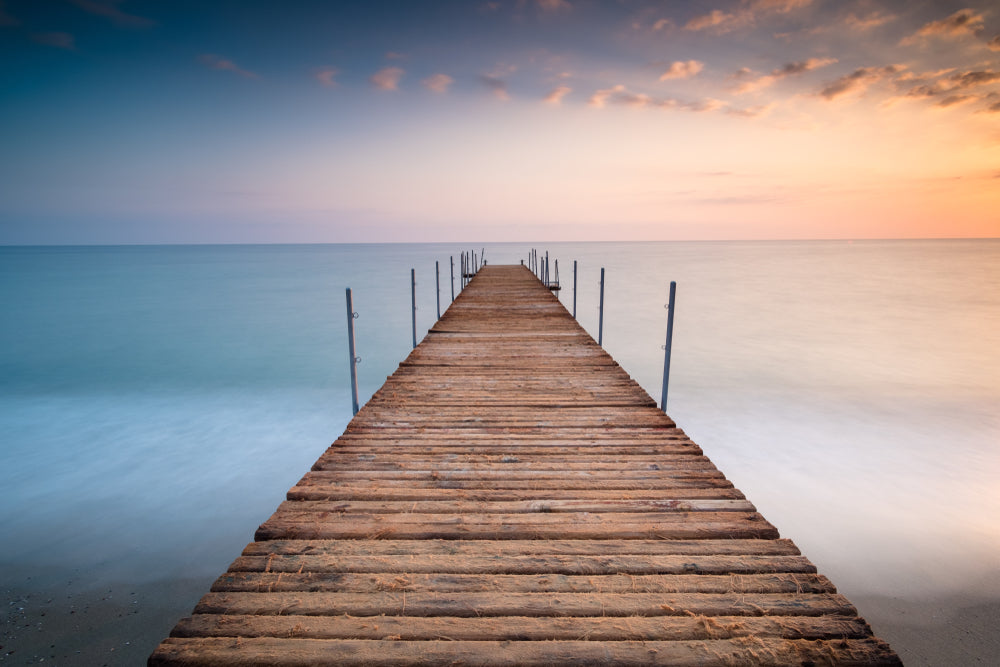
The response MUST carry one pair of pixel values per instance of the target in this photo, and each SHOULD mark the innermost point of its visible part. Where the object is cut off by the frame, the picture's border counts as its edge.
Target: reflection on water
(157, 402)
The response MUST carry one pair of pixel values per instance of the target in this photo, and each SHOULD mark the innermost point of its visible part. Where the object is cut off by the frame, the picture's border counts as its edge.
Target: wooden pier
(511, 496)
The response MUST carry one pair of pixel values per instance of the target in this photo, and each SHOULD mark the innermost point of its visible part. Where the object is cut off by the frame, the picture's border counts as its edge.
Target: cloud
(869, 22)
(495, 84)
(394, 55)
(750, 11)
(952, 100)
(59, 40)
(213, 61)
(326, 76)
(556, 95)
(387, 78)
(682, 69)
(789, 69)
(963, 23)
(994, 44)
(554, 5)
(716, 21)
(859, 80)
(439, 83)
(109, 9)
(620, 96)
(662, 24)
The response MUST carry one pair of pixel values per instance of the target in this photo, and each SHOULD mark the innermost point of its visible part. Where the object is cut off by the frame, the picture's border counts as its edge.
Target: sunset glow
(150, 122)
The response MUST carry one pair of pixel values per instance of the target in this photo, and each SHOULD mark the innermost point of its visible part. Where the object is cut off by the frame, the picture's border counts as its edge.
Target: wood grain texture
(511, 496)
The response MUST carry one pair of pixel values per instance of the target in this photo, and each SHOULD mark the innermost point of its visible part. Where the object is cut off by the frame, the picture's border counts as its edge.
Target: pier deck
(512, 496)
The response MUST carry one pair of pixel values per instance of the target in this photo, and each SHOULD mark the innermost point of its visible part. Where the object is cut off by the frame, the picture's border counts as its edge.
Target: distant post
(574, 289)
(413, 300)
(666, 348)
(437, 283)
(452, 258)
(350, 348)
(600, 320)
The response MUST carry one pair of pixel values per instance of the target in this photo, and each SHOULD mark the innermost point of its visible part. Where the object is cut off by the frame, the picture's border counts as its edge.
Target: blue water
(157, 402)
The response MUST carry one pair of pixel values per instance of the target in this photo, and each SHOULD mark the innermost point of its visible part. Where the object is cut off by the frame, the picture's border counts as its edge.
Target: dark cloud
(858, 80)
(59, 40)
(962, 23)
(495, 84)
(109, 9)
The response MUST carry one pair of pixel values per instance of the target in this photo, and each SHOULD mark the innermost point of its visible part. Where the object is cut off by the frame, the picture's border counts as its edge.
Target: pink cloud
(680, 69)
(554, 5)
(994, 44)
(789, 69)
(326, 76)
(387, 78)
(439, 83)
(213, 61)
(557, 94)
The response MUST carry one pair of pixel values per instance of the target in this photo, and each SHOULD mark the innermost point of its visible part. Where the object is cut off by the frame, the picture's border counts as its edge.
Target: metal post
(437, 282)
(600, 321)
(350, 348)
(452, 258)
(413, 295)
(666, 348)
(574, 289)
(546, 268)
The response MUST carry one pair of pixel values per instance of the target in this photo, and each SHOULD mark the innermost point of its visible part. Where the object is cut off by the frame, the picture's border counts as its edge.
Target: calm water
(157, 402)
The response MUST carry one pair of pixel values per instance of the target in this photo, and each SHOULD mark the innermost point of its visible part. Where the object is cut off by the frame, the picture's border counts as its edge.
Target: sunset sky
(134, 121)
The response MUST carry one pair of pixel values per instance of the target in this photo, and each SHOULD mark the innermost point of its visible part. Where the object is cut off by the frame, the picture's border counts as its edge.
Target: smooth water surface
(157, 402)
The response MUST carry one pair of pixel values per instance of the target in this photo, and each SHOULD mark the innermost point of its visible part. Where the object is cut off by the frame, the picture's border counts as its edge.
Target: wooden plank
(509, 548)
(275, 581)
(608, 562)
(212, 651)
(520, 628)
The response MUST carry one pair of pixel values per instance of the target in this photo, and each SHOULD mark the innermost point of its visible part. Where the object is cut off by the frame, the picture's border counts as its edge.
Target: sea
(156, 402)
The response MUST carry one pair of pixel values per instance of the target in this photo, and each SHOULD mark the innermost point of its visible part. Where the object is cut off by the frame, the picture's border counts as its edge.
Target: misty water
(156, 402)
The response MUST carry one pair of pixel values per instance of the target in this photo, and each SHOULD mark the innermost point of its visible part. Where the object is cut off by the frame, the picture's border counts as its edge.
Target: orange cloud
(964, 22)
(868, 22)
(682, 69)
(554, 5)
(789, 69)
(859, 80)
(497, 85)
(721, 22)
(387, 78)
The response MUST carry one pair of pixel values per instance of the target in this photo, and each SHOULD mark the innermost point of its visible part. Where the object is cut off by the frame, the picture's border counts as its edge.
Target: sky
(132, 121)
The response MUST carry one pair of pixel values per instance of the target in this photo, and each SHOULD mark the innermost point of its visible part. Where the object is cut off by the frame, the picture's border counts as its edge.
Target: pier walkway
(511, 496)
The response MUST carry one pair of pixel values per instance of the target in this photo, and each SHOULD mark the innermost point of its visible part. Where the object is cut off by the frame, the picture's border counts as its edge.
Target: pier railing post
(667, 346)
(600, 320)
(350, 348)
(452, 258)
(413, 301)
(574, 289)
(437, 283)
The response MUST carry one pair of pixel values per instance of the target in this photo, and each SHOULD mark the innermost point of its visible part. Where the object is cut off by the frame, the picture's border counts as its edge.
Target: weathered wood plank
(519, 628)
(276, 581)
(739, 652)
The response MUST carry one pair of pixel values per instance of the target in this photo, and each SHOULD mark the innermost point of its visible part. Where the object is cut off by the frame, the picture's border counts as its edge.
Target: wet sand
(64, 619)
